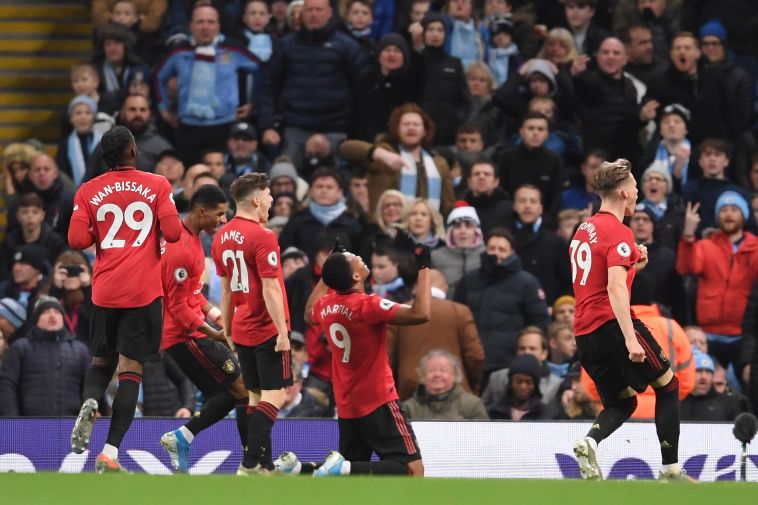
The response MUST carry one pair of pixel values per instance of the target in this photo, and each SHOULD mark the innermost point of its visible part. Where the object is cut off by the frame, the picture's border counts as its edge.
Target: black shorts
(263, 368)
(604, 356)
(131, 332)
(209, 364)
(385, 431)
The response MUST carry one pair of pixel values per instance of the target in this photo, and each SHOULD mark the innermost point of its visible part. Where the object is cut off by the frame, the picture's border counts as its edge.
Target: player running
(615, 348)
(355, 323)
(123, 212)
(200, 351)
(255, 314)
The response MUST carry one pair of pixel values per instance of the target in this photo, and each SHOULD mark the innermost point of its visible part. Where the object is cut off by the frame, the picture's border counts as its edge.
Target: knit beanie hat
(394, 39)
(526, 364)
(13, 311)
(715, 28)
(32, 255)
(658, 169)
(46, 302)
(732, 198)
(82, 99)
(283, 169)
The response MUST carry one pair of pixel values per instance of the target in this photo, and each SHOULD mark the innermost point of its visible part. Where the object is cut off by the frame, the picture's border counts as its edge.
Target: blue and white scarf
(383, 289)
(202, 101)
(465, 42)
(665, 159)
(76, 154)
(259, 44)
(499, 60)
(325, 214)
(409, 174)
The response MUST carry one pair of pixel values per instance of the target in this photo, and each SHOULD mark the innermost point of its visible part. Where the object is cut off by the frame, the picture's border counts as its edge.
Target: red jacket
(724, 279)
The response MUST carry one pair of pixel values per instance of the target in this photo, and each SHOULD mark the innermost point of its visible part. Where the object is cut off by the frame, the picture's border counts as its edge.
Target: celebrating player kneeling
(370, 418)
(615, 348)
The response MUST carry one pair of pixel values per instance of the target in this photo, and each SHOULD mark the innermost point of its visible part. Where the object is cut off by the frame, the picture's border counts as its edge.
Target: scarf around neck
(666, 160)
(499, 60)
(409, 174)
(325, 214)
(202, 100)
(76, 158)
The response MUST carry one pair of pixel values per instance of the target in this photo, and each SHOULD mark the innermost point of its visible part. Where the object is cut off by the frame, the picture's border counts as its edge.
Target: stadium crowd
(471, 126)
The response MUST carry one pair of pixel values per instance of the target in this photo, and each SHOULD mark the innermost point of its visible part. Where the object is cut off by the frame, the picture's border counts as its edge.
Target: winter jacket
(711, 407)
(455, 263)
(77, 318)
(545, 255)
(669, 228)
(493, 210)
(150, 144)
(445, 95)
(536, 409)
(165, 388)
(504, 299)
(497, 386)
(725, 279)
(451, 328)
(749, 354)
(303, 231)
(43, 375)
(381, 177)
(48, 239)
(311, 78)
(740, 19)
(456, 404)
(706, 192)
(59, 205)
(668, 287)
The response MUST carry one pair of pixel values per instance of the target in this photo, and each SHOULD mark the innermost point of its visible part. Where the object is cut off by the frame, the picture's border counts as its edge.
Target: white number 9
(581, 256)
(336, 329)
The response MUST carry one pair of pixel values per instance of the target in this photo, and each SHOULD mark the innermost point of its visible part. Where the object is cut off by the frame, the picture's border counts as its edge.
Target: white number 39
(581, 257)
(336, 330)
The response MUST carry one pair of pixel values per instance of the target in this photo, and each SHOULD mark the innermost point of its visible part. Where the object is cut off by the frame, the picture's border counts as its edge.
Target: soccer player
(123, 212)
(248, 261)
(615, 348)
(200, 351)
(355, 323)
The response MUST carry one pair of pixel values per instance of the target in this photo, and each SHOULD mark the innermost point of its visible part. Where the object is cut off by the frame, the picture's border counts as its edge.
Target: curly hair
(393, 125)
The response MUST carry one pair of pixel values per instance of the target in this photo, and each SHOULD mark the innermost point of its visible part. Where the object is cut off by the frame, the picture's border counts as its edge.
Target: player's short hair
(115, 144)
(207, 196)
(30, 200)
(246, 184)
(501, 232)
(610, 175)
(337, 273)
(557, 327)
(533, 330)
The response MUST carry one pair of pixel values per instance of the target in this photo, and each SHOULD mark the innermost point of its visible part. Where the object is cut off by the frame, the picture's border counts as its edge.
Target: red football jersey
(355, 325)
(599, 243)
(182, 267)
(245, 252)
(123, 208)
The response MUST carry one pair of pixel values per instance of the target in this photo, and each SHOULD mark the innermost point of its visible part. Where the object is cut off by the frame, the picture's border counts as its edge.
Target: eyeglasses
(388, 205)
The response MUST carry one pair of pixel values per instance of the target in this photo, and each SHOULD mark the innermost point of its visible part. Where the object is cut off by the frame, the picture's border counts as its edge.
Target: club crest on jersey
(272, 258)
(180, 274)
(624, 250)
(228, 366)
(386, 304)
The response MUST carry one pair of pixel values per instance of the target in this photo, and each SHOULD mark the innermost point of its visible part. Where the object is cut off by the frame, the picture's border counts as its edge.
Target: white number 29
(335, 330)
(239, 281)
(581, 257)
(120, 217)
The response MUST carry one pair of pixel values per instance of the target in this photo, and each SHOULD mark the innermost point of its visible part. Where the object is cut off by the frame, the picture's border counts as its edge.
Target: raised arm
(319, 291)
(421, 310)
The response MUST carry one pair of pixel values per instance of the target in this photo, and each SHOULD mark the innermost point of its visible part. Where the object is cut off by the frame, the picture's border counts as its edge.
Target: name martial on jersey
(118, 186)
(337, 309)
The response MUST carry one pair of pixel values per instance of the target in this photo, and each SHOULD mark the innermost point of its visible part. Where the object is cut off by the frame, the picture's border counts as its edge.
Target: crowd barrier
(450, 449)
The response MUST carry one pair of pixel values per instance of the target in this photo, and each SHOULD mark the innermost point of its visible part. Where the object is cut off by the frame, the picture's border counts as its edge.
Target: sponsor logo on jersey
(180, 274)
(624, 250)
(272, 258)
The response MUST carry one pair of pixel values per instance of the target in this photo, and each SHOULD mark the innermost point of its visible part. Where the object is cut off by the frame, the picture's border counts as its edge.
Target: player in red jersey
(355, 323)
(200, 351)
(254, 313)
(123, 212)
(615, 348)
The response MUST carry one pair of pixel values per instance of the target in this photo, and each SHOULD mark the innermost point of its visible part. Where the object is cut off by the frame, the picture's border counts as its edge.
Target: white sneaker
(332, 466)
(85, 421)
(680, 476)
(587, 458)
(244, 471)
(288, 463)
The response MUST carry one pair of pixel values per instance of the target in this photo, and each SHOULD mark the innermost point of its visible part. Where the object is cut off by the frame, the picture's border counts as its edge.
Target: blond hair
(378, 218)
(563, 36)
(438, 228)
(610, 175)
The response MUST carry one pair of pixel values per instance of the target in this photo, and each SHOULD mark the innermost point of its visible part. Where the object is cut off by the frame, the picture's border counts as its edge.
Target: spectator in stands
(658, 17)
(451, 328)
(545, 168)
(503, 298)
(698, 339)
(726, 265)
(667, 285)
(587, 35)
(568, 220)
(564, 309)
(184, 194)
(255, 22)
(214, 160)
(30, 214)
(45, 180)
(86, 81)
(642, 61)
(75, 150)
(440, 395)
(704, 404)
(502, 52)
(664, 204)
(43, 372)
(166, 390)
(390, 82)
(423, 223)
(562, 343)
(706, 190)
(481, 83)
(12, 319)
(444, 94)
(464, 40)
(206, 69)
(559, 48)
(285, 205)
(575, 401)
(385, 230)
(28, 272)
(136, 115)
(17, 159)
(560, 140)
(543, 253)
(582, 195)
(317, 153)
(150, 13)
(493, 205)
(608, 106)
(294, 16)
(465, 245)
(358, 201)
(299, 402)
(71, 284)
(169, 165)
(749, 354)
(116, 60)
(283, 178)
(358, 21)
(523, 399)
(326, 214)
(405, 162)
(672, 151)
(386, 280)
(306, 102)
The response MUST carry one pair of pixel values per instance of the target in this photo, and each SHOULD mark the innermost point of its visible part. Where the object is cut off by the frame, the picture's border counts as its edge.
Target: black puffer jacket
(504, 299)
(303, 230)
(311, 79)
(43, 375)
(48, 239)
(545, 255)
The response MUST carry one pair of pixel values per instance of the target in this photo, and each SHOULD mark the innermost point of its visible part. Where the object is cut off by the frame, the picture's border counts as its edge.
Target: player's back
(599, 243)
(355, 325)
(123, 208)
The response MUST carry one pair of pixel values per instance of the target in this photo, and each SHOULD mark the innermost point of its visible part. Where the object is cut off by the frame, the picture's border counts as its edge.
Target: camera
(73, 270)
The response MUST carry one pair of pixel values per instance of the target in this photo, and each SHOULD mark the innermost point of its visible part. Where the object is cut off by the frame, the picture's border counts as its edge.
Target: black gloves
(423, 256)
(339, 247)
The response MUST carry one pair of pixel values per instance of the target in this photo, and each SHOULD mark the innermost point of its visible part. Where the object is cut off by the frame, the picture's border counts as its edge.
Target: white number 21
(581, 257)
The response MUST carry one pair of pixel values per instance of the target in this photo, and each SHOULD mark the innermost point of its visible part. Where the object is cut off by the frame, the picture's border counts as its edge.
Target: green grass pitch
(140, 489)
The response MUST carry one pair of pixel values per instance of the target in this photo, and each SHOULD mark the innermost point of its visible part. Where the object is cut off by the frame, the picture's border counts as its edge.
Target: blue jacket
(179, 62)
(311, 78)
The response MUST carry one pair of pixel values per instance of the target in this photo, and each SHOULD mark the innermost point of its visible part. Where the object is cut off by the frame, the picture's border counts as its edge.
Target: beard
(136, 126)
